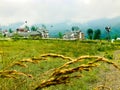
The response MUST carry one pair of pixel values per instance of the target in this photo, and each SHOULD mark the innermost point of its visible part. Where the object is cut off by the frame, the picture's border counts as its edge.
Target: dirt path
(111, 76)
(116, 55)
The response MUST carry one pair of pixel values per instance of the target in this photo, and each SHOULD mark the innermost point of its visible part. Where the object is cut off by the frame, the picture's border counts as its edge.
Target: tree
(26, 28)
(115, 36)
(75, 28)
(97, 34)
(90, 33)
(33, 28)
(10, 30)
(60, 35)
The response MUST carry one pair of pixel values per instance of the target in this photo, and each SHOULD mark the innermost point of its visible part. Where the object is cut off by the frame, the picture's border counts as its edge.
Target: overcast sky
(54, 11)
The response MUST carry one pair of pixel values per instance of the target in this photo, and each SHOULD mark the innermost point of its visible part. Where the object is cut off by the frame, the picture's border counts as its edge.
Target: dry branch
(56, 56)
(12, 74)
(102, 87)
(61, 75)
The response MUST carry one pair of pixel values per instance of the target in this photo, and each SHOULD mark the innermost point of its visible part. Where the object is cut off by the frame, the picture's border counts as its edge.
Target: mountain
(114, 23)
(63, 27)
(13, 26)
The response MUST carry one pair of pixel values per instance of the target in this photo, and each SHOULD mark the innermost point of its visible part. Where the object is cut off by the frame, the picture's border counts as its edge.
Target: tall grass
(26, 66)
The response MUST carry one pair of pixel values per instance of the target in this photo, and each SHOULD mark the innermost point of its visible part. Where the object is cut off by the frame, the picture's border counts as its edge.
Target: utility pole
(108, 31)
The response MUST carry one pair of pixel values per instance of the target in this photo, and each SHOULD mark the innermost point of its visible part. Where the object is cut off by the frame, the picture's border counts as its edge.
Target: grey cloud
(49, 11)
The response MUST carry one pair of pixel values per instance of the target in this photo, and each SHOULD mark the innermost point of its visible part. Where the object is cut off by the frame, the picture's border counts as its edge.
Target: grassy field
(29, 75)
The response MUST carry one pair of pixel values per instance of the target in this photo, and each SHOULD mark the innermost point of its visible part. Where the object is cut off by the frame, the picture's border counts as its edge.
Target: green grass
(15, 50)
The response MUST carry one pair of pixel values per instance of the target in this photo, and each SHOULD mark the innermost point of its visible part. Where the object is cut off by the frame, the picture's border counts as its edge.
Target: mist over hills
(66, 26)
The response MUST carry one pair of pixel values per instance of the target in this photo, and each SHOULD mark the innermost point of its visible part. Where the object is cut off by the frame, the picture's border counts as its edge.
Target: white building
(118, 39)
(73, 35)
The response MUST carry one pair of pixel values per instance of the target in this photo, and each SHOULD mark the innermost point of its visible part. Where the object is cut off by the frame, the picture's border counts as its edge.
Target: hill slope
(63, 27)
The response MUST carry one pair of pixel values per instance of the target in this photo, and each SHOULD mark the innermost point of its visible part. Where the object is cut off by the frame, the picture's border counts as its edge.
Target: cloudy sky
(54, 11)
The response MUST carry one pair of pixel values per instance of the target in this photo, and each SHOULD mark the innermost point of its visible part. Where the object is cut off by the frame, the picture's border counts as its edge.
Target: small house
(73, 35)
(39, 33)
(44, 33)
(25, 32)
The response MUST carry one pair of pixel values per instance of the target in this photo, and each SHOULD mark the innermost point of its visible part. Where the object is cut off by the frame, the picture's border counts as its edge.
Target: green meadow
(16, 75)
